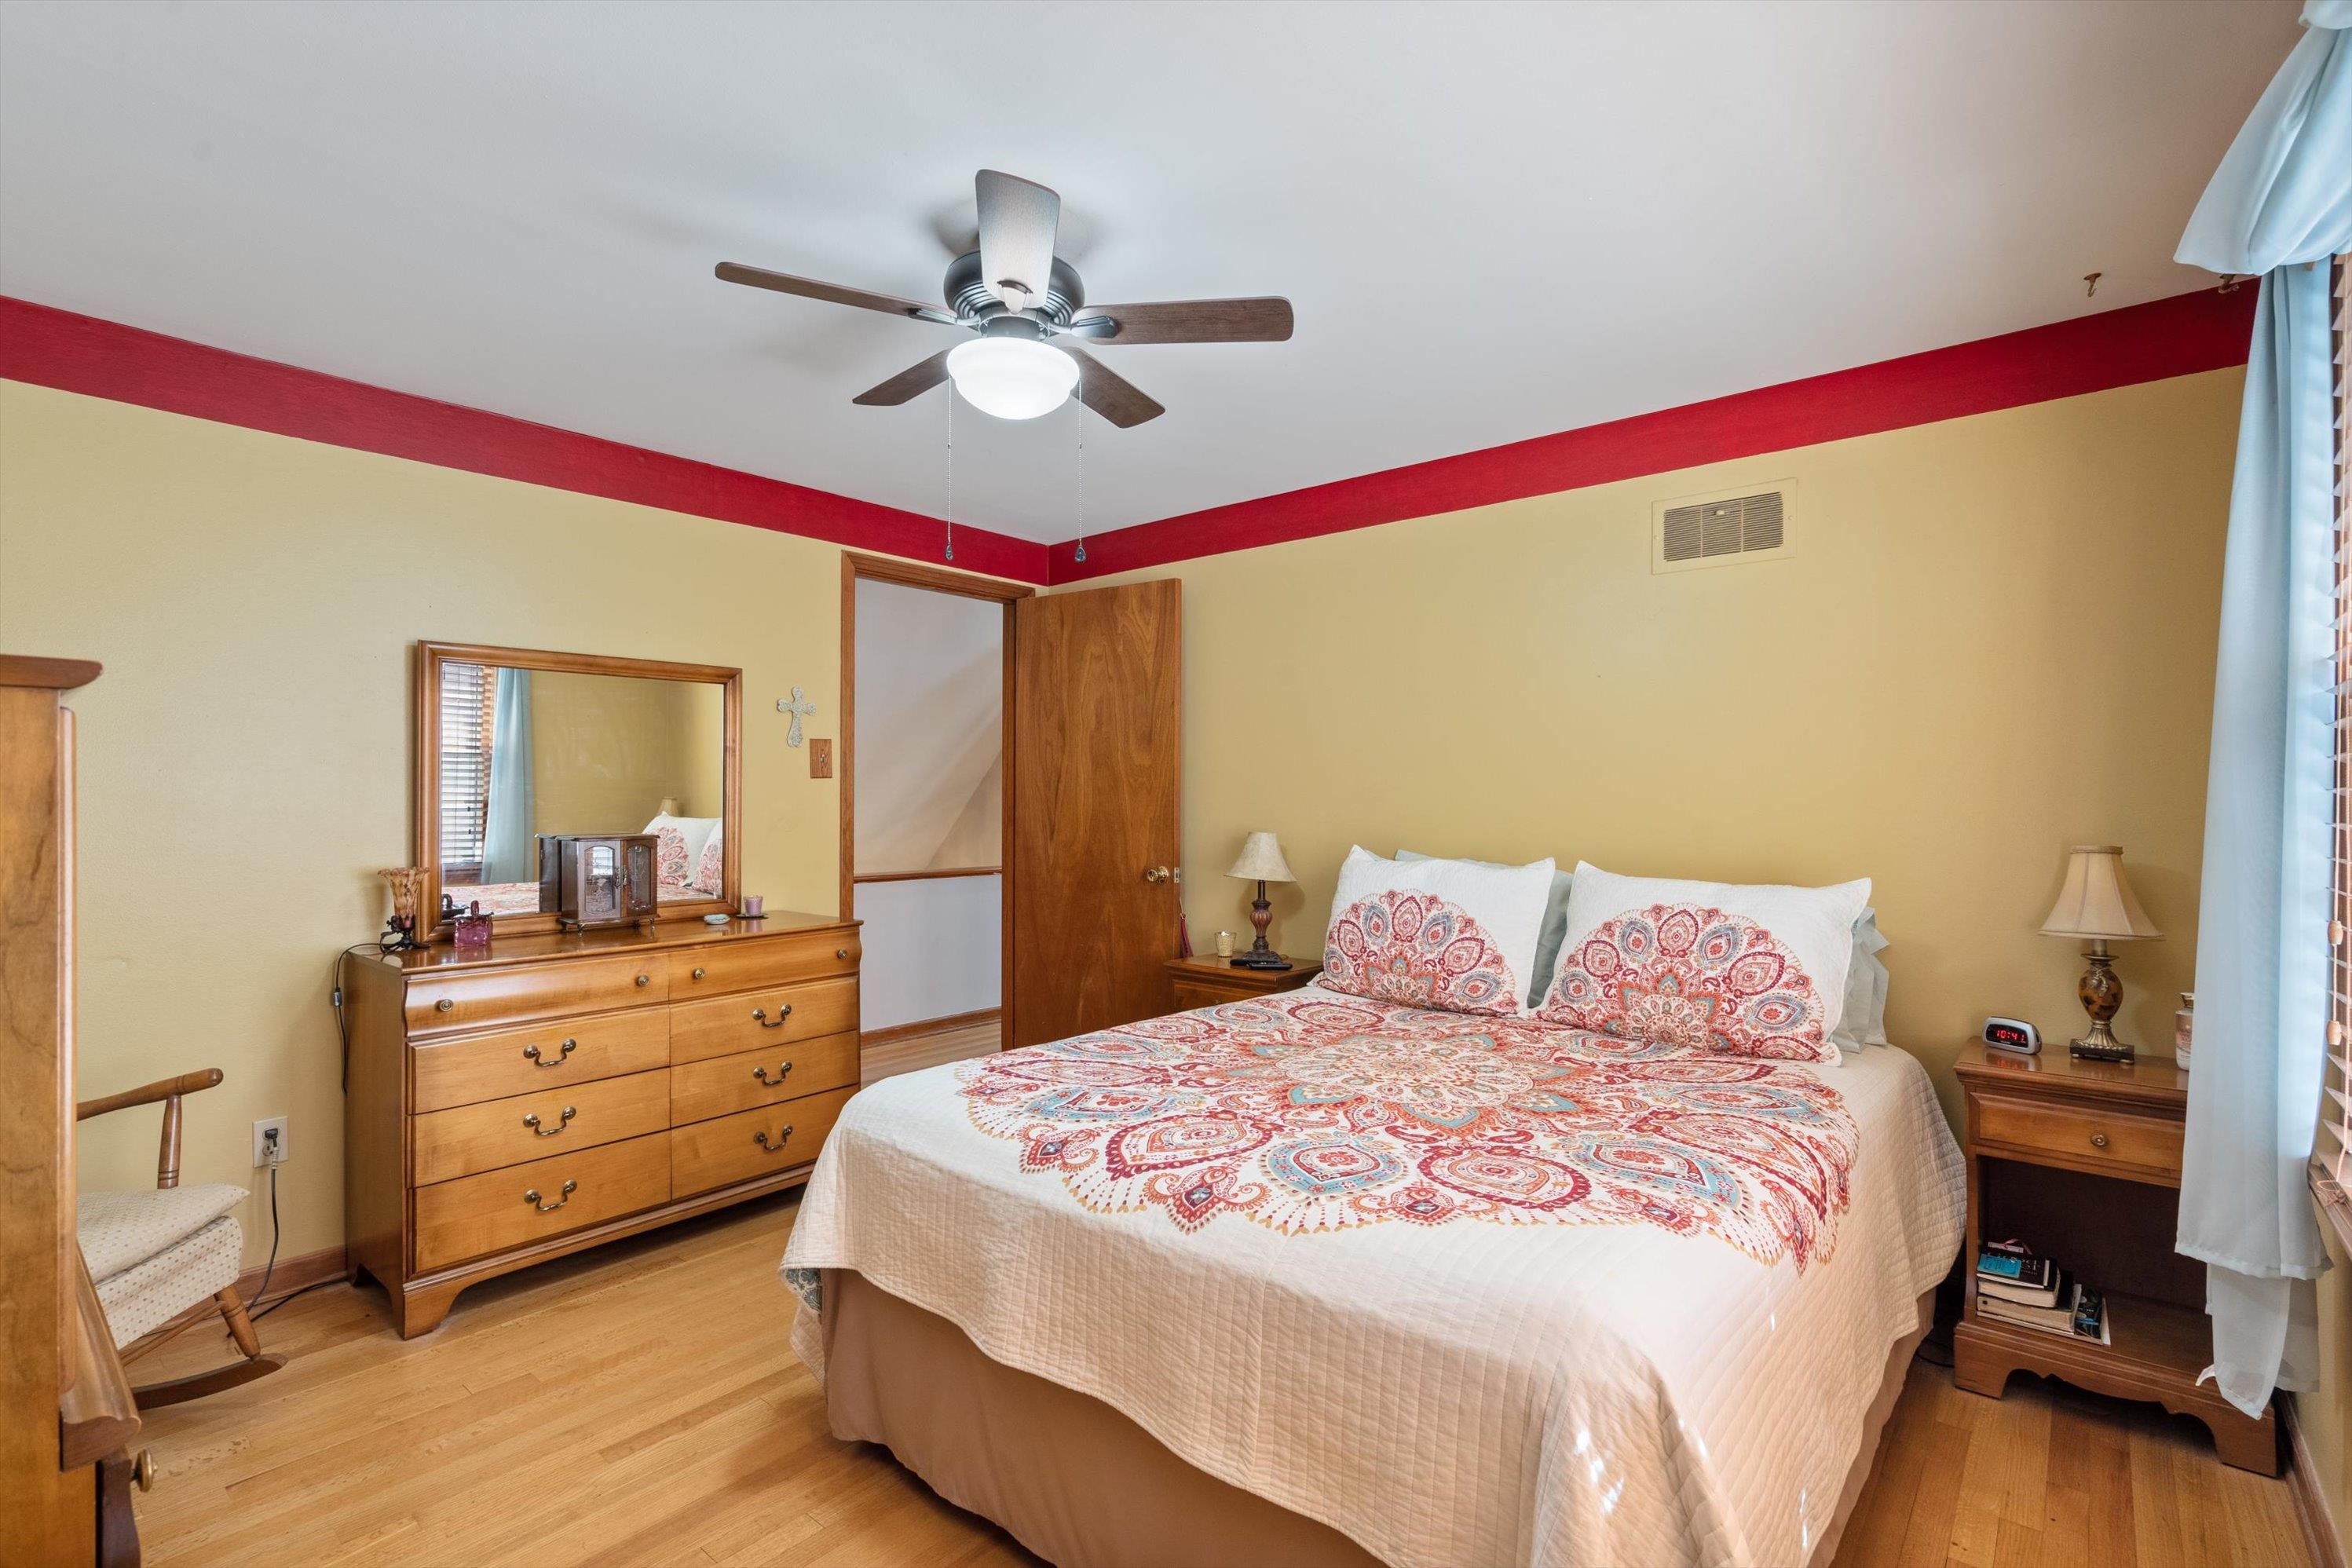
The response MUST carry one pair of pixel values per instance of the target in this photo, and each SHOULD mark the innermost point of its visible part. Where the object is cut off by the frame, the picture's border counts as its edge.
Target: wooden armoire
(68, 1424)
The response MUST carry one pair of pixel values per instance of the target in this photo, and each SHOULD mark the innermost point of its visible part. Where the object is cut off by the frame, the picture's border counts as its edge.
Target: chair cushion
(143, 1298)
(120, 1231)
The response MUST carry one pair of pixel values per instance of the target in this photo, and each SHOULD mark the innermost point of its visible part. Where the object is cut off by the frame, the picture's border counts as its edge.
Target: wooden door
(1096, 839)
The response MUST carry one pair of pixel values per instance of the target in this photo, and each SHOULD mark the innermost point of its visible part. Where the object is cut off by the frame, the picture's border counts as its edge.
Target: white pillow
(1742, 970)
(695, 831)
(1449, 935)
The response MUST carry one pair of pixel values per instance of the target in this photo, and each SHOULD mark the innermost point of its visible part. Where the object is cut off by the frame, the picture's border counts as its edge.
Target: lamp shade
(1262, 861)
(2097, 901)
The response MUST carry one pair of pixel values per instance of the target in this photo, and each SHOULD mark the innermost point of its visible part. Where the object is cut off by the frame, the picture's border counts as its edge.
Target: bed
(1315, 1279)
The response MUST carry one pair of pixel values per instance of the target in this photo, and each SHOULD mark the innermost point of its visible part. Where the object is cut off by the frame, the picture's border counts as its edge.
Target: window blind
(2335, 1153)
(468, 694)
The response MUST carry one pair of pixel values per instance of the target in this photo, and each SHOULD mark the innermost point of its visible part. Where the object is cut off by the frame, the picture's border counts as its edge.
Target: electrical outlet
(269, 1142)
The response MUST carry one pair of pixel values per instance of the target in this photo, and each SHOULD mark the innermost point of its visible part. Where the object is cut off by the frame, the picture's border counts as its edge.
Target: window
(2332, 1161)
(467, 696)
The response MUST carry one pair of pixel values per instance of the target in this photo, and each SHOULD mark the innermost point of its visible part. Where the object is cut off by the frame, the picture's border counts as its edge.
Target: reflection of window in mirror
(529, 752)
(467, 715)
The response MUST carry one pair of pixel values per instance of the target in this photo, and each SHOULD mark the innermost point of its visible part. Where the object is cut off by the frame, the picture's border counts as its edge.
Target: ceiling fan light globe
(1012, 378)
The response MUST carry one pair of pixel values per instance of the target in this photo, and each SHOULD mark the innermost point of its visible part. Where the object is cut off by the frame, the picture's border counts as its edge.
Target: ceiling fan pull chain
(951, 473)
(1078, 419)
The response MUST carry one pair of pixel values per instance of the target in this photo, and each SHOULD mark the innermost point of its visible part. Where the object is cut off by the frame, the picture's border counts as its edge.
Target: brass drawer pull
(561, 1122)
(761, 1074)
(841, 952)
(443, 1005)
(2099, 1140)
(645, 980)
(760, 1138)
(530, 1052)
(698, 974)
(778, 1022)
(531, 1197)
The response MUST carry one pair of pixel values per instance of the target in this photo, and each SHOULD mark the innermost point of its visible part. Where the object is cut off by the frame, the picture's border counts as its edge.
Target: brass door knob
(142, 1470)
(2099, 1140)
(1156, 873)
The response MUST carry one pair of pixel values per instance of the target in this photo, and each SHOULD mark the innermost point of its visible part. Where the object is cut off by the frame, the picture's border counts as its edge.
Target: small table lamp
(2097, 904)
(1261, 863)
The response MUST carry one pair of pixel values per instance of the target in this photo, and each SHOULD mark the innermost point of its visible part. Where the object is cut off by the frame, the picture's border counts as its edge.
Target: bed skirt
(1078, 1483)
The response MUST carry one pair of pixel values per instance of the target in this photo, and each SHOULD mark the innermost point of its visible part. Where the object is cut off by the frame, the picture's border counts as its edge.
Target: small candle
(1225, 944)
(753, 904)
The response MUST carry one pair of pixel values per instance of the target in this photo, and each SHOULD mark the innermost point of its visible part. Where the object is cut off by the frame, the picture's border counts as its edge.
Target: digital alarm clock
(2012, 1034)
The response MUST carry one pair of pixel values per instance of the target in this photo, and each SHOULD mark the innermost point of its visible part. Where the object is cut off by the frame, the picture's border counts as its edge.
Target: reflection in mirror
(528, 752)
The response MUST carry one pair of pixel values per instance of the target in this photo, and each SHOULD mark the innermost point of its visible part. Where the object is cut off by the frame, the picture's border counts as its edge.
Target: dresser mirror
(514, 744)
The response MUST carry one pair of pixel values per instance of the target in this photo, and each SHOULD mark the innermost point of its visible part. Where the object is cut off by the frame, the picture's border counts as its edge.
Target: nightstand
(1206, 979)
(2081, 1161)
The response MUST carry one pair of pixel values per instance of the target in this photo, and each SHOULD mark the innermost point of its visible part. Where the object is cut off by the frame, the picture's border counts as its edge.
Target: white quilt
(1503, 1387)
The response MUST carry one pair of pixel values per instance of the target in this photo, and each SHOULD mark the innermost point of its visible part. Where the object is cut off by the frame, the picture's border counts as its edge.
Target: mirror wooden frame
(424, 825)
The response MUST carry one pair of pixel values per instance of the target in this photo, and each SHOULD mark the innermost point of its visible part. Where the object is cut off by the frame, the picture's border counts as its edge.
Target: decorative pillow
(693, 832)
(1548, 935)
(1454, 936)
(710, 871)
(1740, 970)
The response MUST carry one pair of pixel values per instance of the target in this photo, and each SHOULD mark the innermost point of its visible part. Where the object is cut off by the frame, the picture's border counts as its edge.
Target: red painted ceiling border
(70, 352)
(2189, 332)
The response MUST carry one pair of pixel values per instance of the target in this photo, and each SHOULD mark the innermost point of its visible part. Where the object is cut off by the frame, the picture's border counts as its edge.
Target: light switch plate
(820, 758)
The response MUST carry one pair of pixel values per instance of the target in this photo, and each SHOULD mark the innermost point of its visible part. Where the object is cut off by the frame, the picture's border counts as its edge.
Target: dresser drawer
(2082, 1136)
(721, 1084)
(519, 993)
(748, 965)
(491, 1213)
(484, 1137)
(763, 1019)
(737, 1148)
(524, 1061)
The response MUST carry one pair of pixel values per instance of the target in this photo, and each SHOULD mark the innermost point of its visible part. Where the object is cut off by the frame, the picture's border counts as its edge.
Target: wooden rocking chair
(154, 1255)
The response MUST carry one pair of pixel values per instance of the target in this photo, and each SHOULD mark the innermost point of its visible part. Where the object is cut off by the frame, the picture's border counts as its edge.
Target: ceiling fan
(1030, 312)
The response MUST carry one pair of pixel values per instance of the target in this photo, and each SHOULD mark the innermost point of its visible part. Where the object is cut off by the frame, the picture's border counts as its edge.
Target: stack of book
(2013, 1286)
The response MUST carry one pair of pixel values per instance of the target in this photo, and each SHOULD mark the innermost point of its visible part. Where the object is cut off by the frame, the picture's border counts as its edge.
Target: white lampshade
(1012, 378)
(2096, 902)
(1262, 861)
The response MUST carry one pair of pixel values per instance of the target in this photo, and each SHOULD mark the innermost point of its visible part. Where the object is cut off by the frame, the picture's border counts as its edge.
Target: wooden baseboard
(2320, 1535)
(897, 1033)
(292, 1274)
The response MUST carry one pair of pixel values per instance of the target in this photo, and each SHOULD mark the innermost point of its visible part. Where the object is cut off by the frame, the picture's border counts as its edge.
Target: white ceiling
(1494, 221)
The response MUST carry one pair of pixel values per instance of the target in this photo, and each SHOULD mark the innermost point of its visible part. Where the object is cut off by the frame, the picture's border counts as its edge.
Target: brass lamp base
(2101, 995)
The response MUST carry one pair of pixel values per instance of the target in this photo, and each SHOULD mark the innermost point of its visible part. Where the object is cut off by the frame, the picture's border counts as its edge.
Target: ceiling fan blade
(1264, 320)
(1108, 392)
(833, 293)
(1017, 223)
(907, 384)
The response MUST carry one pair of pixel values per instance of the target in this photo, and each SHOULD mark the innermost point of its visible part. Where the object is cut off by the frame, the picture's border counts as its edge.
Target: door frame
(938, 579)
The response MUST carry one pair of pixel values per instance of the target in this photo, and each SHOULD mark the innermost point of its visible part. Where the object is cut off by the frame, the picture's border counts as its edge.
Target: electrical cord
(335, 1000)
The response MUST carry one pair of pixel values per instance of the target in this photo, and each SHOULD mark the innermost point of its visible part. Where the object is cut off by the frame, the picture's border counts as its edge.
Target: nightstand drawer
(2080, 1135)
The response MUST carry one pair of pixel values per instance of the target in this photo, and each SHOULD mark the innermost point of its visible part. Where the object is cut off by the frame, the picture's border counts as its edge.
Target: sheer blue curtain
(2279, 207)
(506, 838)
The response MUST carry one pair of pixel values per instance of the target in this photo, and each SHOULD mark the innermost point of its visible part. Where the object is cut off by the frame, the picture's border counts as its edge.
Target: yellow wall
(1995, 639)
(244, 758)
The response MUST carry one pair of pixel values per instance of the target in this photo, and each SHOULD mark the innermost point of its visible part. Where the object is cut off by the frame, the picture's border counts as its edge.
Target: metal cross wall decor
(799, 708)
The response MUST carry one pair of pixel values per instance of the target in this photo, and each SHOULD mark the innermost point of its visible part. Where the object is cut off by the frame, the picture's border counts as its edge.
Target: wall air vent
(1727, 526)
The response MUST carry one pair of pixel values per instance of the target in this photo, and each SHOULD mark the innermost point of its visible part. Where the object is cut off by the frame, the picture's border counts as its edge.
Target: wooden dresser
(555, 1091)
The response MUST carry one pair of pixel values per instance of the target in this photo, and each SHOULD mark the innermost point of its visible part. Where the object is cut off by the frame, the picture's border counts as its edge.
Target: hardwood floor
(909, 1053)
(640, 1405)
